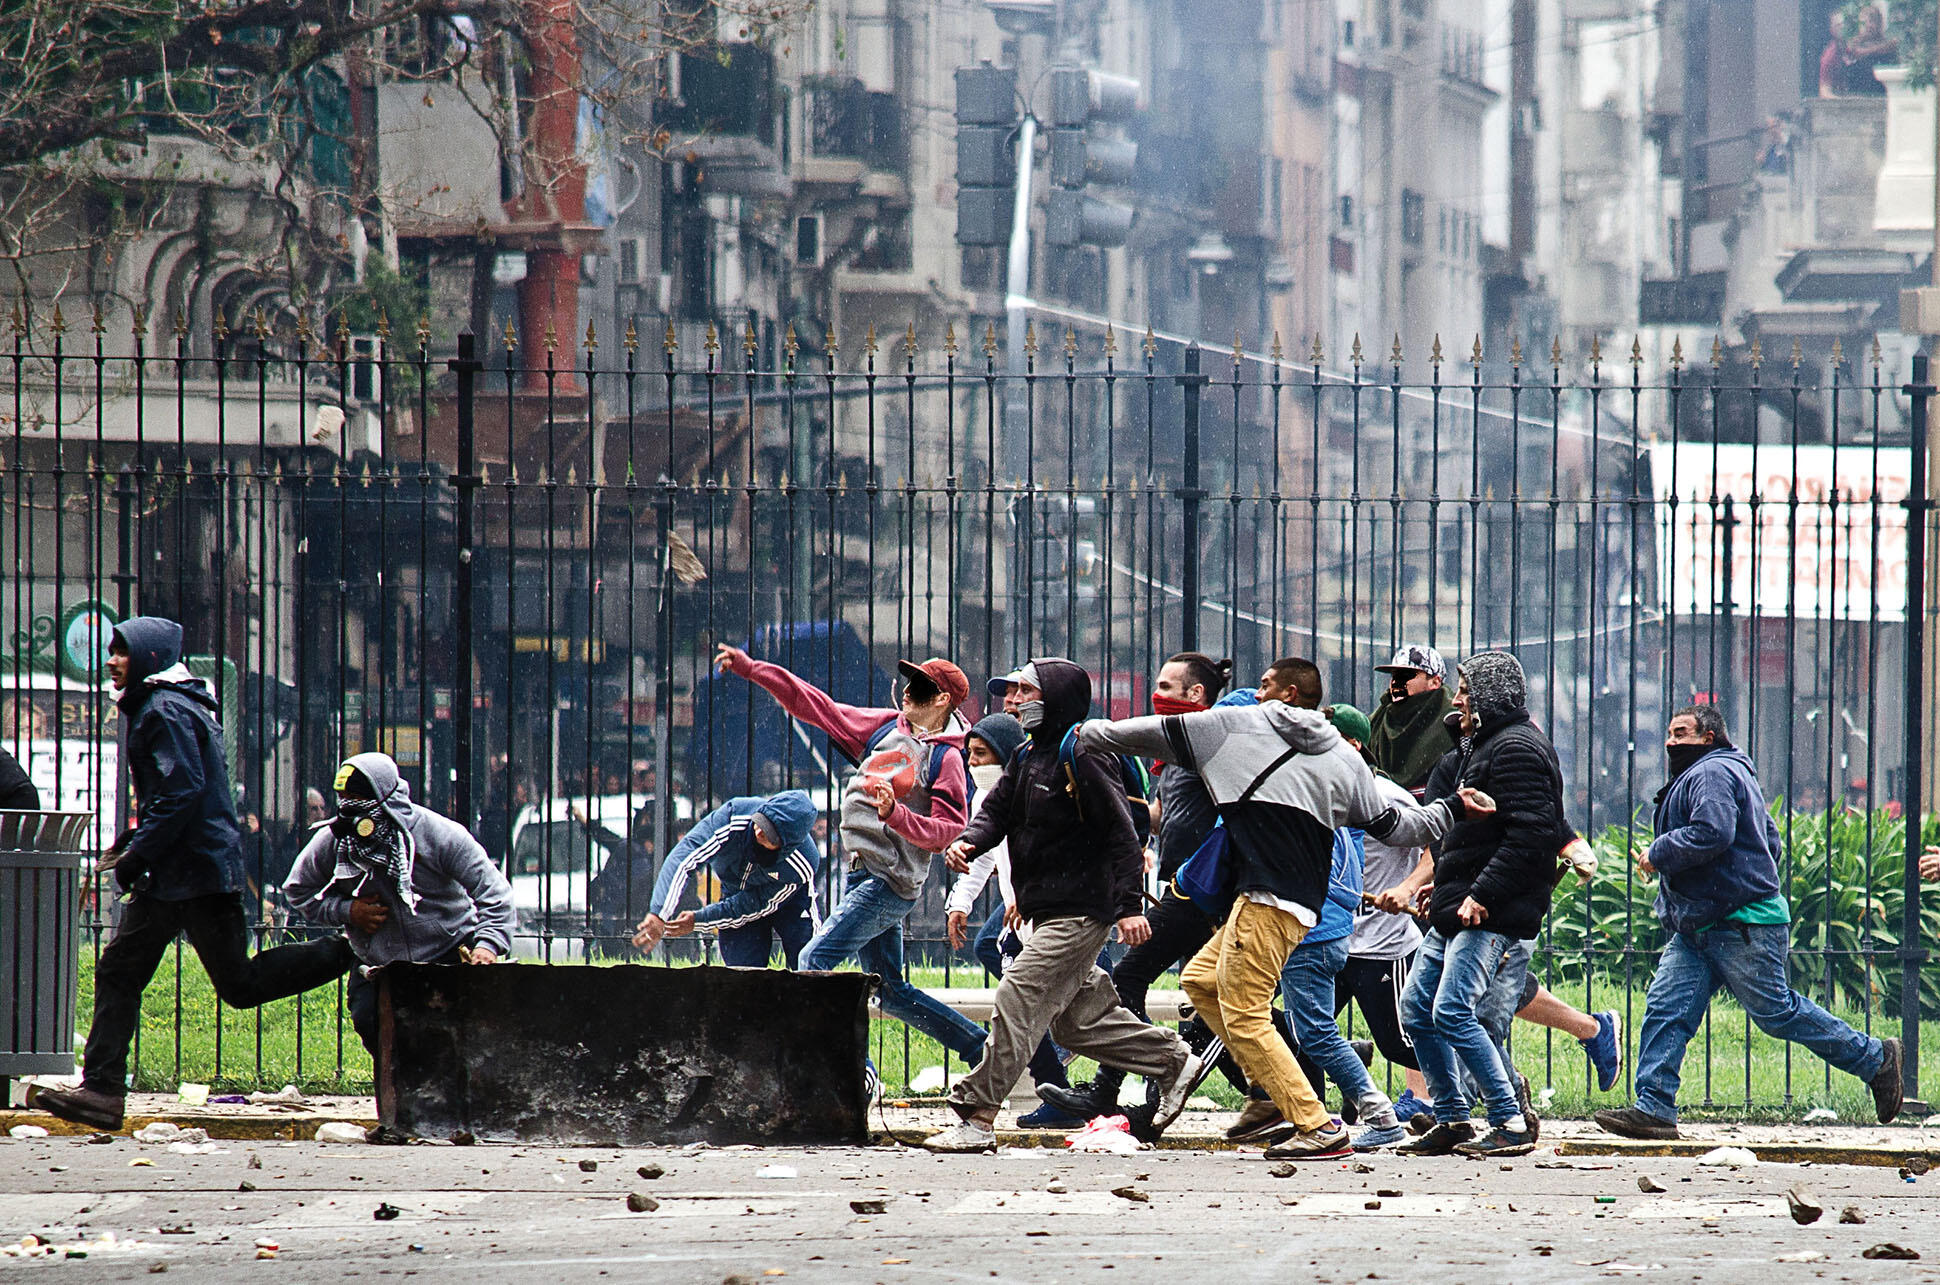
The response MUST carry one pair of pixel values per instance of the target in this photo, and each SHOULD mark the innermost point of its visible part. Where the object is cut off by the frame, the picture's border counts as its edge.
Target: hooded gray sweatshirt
(462, 899)
(1283, 835)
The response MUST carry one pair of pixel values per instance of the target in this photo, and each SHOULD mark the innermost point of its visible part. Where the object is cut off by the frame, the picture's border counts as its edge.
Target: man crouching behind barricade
(759, 850)
(409, 885)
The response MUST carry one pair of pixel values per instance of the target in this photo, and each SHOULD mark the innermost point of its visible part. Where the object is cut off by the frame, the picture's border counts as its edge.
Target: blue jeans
(867, 925)
(1307, 989)
(1497, 1011)
(1441, 1011)
(752, 945)
(1749, 961)
(987, 947)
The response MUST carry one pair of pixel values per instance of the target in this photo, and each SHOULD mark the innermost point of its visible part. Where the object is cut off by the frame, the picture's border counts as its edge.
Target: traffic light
(986, 169)
(1082, 156)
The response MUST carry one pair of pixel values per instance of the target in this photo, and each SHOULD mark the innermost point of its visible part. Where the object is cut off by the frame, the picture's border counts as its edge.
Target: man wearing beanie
(407, 884)
(759, 851)
(904, 803)
(1493, 875)
(180, 869)
(1076, 869)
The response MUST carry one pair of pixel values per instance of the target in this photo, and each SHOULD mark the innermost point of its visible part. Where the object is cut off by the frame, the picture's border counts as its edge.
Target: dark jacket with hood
(1506, 860)
(17, 790)
(460, 897)
(756, 881)
(1073, 851)
(1717, 846)
(186, 837)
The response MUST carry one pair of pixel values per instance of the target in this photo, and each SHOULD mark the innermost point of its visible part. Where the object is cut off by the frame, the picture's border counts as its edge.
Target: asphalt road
(535, 1215)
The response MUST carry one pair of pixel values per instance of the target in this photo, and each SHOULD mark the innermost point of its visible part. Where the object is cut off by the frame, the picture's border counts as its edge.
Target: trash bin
(40, 935)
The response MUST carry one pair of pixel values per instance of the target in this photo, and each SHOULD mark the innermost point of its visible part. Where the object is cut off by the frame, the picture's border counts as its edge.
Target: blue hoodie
(186, 836)
(1343, 889)
(755, 881)
(1717, 847)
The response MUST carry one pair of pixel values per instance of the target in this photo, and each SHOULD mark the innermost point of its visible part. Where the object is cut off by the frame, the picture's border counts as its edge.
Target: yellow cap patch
(343, 777)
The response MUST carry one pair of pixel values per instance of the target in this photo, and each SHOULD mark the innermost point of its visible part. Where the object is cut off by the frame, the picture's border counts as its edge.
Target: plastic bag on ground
(161, 1131)
(1111, 1134)
(1729, 1157)
(338, 1131)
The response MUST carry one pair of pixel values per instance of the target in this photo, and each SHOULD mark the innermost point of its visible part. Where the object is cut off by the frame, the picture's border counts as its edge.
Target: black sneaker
(1629, 1122)
(1079, 1101)
(1259, 1118)
(1889, 1090)
(101, 1110)
(1500, 1142)
(1440, 1140)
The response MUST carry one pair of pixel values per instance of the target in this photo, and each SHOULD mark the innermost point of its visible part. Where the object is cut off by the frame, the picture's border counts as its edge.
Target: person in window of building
(1716, 859)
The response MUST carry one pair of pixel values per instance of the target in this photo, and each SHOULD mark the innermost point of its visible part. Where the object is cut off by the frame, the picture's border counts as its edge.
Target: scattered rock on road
(1132, 1194)
(1889, 1250)
(651, 1171)
(1852, 1214)
(589, 1166)
(385, 1211)
(868, 1206)
(1650, 1186)
(1805, 1206)
(639, 1202)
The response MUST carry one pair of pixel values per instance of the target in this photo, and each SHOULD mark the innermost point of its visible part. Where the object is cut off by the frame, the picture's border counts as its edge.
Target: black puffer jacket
(1506, 861)
(1073, 851)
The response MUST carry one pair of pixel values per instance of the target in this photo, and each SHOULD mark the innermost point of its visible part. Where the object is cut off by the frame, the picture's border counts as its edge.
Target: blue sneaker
(1606, 1050)
(1374, 1137)
(1047, 1116)
(1408, 1106)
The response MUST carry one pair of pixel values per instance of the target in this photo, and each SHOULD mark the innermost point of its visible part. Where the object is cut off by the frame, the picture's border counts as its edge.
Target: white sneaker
(962, 1137)
(1174, 1092)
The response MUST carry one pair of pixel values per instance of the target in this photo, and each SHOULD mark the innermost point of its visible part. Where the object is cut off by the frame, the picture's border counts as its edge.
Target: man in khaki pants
(1075, 868)
(1284, 781)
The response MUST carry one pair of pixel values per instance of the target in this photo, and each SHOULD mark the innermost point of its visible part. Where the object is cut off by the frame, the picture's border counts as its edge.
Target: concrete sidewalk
(1886, 1145)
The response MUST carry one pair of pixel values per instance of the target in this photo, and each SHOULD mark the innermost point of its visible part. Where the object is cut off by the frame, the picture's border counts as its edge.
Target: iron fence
(477, 564)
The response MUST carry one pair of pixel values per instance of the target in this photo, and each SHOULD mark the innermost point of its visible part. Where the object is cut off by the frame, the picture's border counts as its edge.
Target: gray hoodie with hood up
(462, 899)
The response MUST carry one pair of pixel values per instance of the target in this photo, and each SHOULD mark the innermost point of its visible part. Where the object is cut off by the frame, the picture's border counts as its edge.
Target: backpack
(1131, 770)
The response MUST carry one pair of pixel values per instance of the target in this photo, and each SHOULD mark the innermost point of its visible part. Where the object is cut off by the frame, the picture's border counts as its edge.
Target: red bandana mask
(1164, 705)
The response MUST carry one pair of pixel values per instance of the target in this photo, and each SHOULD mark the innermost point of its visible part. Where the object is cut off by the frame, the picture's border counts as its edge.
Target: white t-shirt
(1378, 934)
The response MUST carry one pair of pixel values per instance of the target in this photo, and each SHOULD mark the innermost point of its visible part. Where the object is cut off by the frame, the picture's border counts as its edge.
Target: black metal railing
(476, 571)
